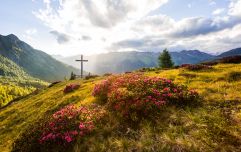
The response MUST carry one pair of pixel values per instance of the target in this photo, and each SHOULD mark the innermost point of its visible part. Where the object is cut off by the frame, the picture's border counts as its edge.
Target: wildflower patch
(70, 123)
(135, 96)
(71, 87)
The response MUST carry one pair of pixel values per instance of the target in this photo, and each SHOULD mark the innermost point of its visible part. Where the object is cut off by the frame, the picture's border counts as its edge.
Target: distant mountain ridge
(232, 52)
(35, 62)
(118, 62)
(190, 57)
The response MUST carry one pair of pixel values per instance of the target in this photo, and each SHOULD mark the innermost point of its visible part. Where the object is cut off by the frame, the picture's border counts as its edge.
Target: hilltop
(212, 125)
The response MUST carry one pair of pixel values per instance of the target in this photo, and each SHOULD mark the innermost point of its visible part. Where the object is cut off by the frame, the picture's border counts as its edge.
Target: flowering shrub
(196, 67)
(69, 123)
(101, 90)
(185, 65)
(134, 96)
(71, 87)
(91, 77)
(58, 132)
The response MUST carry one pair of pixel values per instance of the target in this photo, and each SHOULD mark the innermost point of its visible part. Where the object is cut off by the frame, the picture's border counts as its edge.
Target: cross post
(82, 66)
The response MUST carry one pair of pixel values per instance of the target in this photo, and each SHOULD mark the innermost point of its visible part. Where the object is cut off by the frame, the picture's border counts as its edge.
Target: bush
(146, 70)
(71, 88)
(196, 67)
(101, 89)
(188, 75)
(91, 77)
(66, 124)
(58, 132)
(234, 76)
(135, 96)
(107, 74)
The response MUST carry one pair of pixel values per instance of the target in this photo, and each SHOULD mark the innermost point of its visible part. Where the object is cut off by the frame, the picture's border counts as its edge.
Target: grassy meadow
(214, 125)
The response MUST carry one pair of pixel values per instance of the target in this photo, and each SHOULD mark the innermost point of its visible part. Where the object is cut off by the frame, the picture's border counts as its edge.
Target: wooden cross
(82, 60)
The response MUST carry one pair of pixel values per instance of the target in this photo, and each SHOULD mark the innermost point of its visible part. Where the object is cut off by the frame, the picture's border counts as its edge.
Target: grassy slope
(213, 126)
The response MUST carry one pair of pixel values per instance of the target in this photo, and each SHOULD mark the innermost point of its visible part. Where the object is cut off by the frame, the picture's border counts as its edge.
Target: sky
(71, 27)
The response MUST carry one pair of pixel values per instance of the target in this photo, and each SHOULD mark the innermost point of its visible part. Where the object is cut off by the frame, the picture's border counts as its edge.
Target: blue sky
(96, 26)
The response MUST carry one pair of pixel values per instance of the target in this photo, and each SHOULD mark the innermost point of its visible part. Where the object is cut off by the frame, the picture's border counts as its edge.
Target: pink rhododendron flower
(68, 138)
(136, 95)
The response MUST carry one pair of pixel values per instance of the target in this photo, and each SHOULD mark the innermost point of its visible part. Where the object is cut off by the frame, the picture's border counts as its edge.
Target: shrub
(101, 90)
(188, 75)
(234, 76)
(135, 96)
(196, 67)
(66, 124)
(146, 70)
(60, 130)
(91, 77)
(107, 74)
(71, 88)
(185, 65)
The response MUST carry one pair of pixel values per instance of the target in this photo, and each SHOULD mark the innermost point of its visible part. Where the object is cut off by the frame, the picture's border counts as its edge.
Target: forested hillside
(15, 82)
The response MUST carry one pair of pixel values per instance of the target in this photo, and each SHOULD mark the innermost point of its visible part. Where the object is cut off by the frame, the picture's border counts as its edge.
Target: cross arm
(82, 60)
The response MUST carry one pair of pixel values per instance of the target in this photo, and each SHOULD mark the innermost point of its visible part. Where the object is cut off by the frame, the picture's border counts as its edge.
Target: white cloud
(119, 25)
(189, 5)
(154, 25)
(218, 11)
(96, 20)
(235, 8)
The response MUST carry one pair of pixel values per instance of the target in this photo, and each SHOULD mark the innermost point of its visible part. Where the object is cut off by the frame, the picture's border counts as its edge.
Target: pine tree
(165, 60)
(72, 76)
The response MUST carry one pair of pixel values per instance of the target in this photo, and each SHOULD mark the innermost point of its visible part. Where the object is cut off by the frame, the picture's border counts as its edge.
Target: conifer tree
(165, 60)
(72, 76)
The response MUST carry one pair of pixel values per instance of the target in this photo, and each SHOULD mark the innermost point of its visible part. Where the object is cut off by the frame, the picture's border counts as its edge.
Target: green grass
(213, 126)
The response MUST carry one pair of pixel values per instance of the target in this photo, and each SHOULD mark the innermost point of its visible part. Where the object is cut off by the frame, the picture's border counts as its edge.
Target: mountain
(35, 62)
(232, 52)
(190, 57)
(117, 62)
